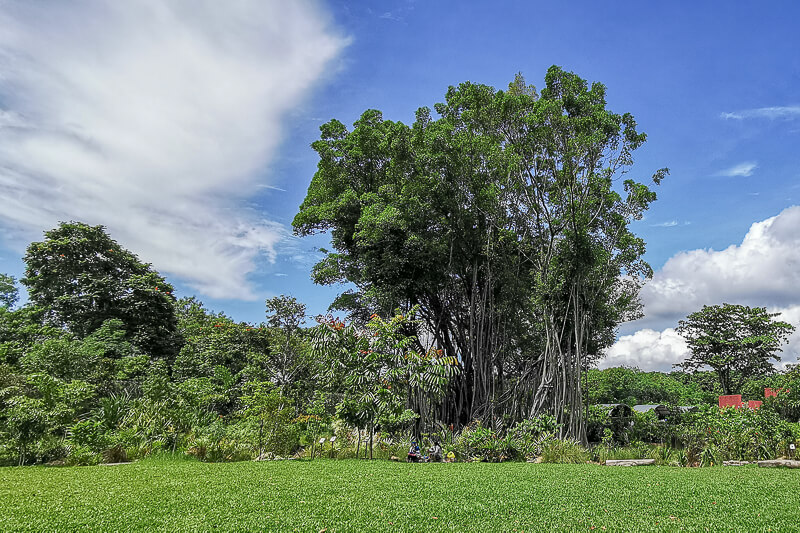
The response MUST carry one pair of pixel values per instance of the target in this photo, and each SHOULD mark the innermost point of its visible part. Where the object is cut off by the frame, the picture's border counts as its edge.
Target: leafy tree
(81, 278)
(502, 221)
(633, 386)
(737, 341)
(214, 339)
(265, 409)
(377, 371)
(289, 354)
(9, 294)
(40, 406)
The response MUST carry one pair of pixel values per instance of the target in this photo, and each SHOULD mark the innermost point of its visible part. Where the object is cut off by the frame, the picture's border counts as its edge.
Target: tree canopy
(8, 291)
(502, 221)
(736, 341)
(82, 277)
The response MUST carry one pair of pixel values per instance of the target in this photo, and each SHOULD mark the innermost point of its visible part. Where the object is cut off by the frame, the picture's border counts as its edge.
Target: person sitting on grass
(413, 453)
(435, 452)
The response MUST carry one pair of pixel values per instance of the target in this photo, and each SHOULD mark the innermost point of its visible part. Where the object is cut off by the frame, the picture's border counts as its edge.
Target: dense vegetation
(385, 496)
(493, 260)
(221, 390)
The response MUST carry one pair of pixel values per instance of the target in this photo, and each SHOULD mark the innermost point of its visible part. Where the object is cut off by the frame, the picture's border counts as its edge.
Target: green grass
(384, 496)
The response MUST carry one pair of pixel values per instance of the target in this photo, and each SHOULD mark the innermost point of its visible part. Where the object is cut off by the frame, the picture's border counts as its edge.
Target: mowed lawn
(384, 496)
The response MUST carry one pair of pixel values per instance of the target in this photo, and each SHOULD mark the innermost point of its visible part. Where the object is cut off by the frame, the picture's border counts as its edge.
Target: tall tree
(736, 341)
(501, 220)
(82, 277)
(288, 357)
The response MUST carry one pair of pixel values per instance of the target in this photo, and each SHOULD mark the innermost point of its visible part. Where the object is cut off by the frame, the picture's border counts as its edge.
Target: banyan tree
(504, 215)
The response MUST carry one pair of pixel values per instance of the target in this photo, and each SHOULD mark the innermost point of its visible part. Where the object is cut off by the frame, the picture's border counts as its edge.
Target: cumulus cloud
(156, 119)
(647, 349)
(762, 271)
(791, 352)
(770, 113)
(742, 169)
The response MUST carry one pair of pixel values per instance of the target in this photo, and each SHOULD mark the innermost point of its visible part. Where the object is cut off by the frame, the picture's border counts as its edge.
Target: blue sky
(184, 127)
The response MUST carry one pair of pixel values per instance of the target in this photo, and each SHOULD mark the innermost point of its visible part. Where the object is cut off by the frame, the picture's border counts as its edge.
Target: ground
(357, 495)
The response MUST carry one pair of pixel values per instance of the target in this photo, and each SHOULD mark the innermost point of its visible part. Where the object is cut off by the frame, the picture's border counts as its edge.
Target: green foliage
(735, 434)
(38, 407)
(9, 294)
(266, 418)
(376, 368)
(22, 329)
(81, 278)
(564, 452)
(529, 435)
(633, 386)
(477, 443)
(737, 341)
(499, 216)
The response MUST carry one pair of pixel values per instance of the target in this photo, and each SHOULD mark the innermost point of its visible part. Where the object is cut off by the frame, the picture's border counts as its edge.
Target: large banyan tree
(506, 220)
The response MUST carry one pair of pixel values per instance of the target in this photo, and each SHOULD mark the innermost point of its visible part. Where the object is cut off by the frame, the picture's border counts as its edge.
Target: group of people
(434, 453)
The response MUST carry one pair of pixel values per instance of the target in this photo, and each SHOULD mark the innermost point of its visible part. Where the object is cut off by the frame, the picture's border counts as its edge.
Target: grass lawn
(384, 496)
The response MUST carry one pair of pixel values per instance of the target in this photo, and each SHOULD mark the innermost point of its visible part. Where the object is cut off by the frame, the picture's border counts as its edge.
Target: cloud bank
(156, 119)
(762, 271)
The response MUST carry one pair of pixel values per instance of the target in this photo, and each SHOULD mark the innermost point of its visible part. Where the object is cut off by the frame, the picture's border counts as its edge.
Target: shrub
(478, 443)
(564, 452)
(82, 456)
(529, 435)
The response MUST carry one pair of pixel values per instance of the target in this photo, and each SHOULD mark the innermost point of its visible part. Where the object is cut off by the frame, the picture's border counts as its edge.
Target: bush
(478, 443)
(82, 456)
(564, 452)
(529, 435)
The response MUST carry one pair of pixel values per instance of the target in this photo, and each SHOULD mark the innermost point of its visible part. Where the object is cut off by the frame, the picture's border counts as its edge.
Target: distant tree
(737, 341)
(214, 339)
(22, 328)
(288, 357)
(8, 291)
(82, 277)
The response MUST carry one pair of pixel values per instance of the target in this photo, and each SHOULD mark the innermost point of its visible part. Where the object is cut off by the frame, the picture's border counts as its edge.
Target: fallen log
(777, 463)
(630, 462)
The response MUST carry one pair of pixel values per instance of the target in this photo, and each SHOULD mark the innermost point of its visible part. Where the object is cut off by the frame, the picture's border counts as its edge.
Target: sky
(184, 128)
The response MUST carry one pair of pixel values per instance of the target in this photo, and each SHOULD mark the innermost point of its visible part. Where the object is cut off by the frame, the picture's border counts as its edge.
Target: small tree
(376, 370)
(736, 341)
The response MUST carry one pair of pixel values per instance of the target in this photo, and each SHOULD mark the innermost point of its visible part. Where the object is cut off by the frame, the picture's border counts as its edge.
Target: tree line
(492, 258)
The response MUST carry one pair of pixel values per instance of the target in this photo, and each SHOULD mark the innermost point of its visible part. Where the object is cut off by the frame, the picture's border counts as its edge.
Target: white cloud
(742, 169)
(156, 119)
(771, 113)
(668, 224)
(651, 350)
(791, 353)
(647, 349)
(762, 271)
